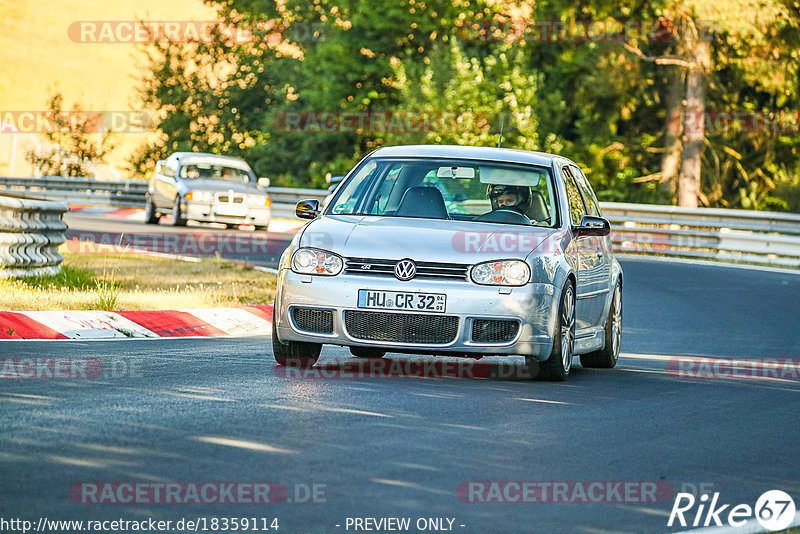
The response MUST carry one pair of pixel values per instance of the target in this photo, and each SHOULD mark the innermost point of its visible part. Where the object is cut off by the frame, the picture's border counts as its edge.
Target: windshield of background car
(207, 171)
(449, 189)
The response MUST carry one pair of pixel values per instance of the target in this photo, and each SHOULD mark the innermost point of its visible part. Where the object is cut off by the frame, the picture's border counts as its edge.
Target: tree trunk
(671, 161)
(699, 49)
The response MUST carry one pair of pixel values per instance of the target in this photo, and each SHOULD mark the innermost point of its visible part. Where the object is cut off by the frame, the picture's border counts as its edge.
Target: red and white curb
(243, 321)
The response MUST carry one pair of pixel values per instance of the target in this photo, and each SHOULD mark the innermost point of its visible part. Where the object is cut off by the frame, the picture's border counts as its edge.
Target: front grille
(401, 327)
(313, 320)
(425, 269)
(225, 199)
(494, 330)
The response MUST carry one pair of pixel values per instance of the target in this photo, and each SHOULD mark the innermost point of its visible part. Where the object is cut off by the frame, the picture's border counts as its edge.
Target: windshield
(466, 190)
(207, 171)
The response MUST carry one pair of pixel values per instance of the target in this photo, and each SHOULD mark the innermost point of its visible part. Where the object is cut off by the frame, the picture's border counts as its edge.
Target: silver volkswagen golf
(457, 251)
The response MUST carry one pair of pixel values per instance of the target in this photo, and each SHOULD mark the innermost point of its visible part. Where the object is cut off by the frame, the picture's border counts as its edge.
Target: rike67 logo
(774, 510)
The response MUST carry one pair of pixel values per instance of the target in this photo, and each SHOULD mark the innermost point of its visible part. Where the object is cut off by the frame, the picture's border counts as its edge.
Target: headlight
(259, 200)
(200, 196)
(315, 261)
(501, 273)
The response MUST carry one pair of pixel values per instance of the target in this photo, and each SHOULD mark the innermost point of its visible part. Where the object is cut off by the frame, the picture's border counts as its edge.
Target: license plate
(401, 300)
(234, 211)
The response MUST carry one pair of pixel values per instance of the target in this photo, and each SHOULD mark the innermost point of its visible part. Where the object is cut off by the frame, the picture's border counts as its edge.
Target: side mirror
(307, 209)
(263, 182)
(591, 225)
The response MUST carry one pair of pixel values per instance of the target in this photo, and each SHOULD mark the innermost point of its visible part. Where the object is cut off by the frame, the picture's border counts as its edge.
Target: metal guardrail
(763, 238)
(124, 194)
(30, 233)
(739, 236)
(127, 193)
(284, 199)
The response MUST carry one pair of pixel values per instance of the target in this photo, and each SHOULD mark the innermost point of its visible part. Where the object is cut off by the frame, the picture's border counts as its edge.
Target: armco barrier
(30, 234)
(754, 237)
(124, 194)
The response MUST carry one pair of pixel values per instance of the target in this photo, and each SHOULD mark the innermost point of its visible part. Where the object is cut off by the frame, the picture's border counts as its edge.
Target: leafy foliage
(601, 102)
(69, 150)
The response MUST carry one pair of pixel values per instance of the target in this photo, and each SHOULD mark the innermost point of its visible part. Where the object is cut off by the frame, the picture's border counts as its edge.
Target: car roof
(205, 157)
(509, 155)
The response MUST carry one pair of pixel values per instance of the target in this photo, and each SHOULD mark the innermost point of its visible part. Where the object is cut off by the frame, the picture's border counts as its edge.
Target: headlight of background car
(259, 200)
(315, 261)
(501, 273)
(200, 196)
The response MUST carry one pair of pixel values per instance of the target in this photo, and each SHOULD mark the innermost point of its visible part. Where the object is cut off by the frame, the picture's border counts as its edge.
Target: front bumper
(534, 306)
(208, 212)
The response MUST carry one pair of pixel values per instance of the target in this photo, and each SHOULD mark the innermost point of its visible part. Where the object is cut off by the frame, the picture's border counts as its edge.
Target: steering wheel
(504, 215)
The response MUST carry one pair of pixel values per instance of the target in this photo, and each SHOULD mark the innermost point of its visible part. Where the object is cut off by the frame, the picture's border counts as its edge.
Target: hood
(445, 241)
(221, 186)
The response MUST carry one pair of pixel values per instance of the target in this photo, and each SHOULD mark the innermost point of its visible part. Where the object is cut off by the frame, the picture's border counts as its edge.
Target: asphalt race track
(220, 410)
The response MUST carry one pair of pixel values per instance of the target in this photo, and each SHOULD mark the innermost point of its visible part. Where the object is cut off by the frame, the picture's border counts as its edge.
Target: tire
(262, 228)
(294, 353)
(607, 357)
(366, 352)
(556, 368)
(231, 226)
(177, 214)
(150, 213)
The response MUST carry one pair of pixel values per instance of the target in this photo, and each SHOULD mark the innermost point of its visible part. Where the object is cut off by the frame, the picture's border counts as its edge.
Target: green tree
(76, 141)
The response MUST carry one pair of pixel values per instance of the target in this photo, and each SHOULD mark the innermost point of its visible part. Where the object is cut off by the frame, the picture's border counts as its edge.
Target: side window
(355, 189)
(588, 194)
(166, 170)
(576, 209)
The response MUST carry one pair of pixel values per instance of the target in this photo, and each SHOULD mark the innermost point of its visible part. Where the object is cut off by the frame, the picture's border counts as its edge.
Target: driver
(514, 197)
(192, 172)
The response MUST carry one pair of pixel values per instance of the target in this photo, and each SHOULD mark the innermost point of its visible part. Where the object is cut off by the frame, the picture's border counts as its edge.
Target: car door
(601, 244)
(164, 182)
(588, 260)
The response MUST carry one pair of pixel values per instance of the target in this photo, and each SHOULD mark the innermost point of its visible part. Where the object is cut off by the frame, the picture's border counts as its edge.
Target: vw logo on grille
(405, 270)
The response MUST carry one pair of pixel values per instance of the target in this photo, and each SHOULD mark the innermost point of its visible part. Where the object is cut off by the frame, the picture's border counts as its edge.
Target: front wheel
(558, 365)
(150, 214)
(293, 353)
(608, 357)
(177, 213)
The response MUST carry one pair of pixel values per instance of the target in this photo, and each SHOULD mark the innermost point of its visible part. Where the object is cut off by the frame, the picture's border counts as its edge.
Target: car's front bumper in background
(533, 307)
(208, 212)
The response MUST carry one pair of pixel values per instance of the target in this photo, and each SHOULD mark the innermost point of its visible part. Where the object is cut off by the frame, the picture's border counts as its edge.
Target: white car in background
(193, 186)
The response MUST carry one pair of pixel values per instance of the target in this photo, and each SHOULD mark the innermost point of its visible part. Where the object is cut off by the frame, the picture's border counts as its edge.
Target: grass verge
(136, 282)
